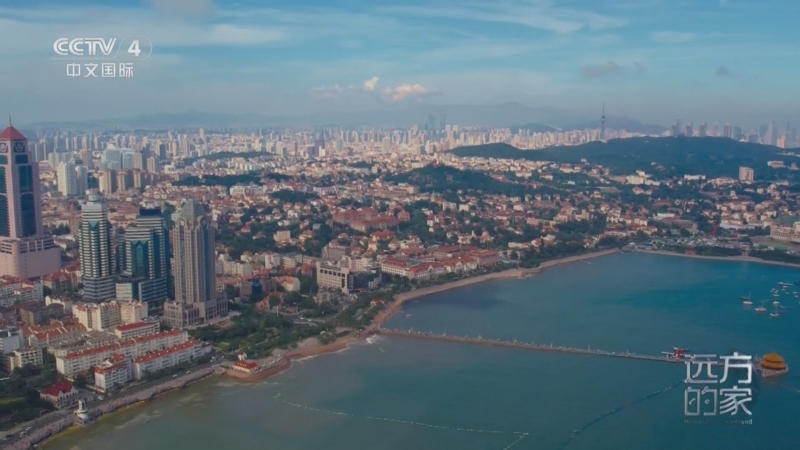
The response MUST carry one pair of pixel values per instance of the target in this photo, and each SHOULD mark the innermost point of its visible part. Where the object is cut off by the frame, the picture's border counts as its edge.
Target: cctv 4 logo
(91, 47)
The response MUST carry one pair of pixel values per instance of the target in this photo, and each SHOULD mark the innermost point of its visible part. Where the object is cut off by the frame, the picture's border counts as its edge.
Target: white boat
(747, 303)
(776, 303)
(774, 314)
(761, 309)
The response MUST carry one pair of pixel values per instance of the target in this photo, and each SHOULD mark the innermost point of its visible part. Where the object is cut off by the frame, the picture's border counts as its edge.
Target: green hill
(671, 156)
(449, 179)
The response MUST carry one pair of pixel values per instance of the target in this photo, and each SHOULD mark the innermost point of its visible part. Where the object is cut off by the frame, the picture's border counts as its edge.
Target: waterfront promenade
(526, 345)
(61, 420)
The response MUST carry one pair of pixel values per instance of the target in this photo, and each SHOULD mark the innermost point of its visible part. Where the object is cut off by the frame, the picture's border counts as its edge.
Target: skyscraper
(25, 250)
(67, 179)
(147, 257)
(94, 240)
(196, 298)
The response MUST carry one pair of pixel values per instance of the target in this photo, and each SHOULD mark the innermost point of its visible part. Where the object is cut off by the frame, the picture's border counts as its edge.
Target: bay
(399, 393)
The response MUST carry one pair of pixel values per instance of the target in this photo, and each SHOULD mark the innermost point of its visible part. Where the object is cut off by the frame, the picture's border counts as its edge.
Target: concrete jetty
(530, 346)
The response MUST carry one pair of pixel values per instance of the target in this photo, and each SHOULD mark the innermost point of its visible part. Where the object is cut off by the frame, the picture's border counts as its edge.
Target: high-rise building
(67, 179)
(702, 131)
(603, 123)
(25, 250)
(94, 240)
(81, 178)
(746, 174)
(196, 297)
(147, 256)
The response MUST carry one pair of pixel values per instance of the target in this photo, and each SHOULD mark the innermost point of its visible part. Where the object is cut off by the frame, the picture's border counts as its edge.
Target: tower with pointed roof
(26, 251)
(196, 298)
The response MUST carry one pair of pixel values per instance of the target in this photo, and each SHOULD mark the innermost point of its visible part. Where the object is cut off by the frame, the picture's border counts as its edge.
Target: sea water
(400, 393)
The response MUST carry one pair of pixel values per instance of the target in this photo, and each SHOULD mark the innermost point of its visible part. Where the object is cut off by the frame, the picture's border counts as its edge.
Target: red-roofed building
(76, 362)
(54, 335)
(12, 133)
(137, 329)
(426, 271)
(61, 395)
(169, 357)
(486, 258)
(113, 373)
(248, 367)
(394, 266)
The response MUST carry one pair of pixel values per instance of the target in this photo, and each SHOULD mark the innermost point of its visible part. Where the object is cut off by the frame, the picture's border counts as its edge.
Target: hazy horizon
(654, 61)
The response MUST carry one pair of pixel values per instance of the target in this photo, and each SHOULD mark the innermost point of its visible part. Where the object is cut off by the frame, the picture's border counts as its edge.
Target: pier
(531, 346)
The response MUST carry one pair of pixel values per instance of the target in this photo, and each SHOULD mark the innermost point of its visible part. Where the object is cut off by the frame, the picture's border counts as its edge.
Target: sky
(652, 60)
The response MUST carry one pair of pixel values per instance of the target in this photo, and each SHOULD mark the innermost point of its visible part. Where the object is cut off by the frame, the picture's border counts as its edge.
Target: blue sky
(655, 60)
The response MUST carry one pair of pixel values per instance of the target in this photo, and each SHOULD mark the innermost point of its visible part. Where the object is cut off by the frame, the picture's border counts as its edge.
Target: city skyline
(654, 61)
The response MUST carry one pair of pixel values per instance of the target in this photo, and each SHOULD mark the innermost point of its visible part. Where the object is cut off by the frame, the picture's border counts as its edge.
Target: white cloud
(403, 92)
(370, 84)
(406, 92)
(672, 37)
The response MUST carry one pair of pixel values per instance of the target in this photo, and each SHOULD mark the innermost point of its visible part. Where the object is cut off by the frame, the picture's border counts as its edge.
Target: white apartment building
(272, 260)
(24, 356)
(169, 357)
(73, 363)
(11, 339)
(113, 373)
(13, 290)
(132, 312)
(108, 315)
(136, 330)
(54, 336)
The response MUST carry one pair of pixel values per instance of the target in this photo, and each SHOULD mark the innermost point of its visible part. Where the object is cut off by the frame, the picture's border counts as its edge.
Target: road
(54, 416)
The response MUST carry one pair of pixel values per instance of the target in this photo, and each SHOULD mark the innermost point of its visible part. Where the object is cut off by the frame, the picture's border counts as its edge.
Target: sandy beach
(720, 258)
(312, 347)
(308, 348)
(400, 299)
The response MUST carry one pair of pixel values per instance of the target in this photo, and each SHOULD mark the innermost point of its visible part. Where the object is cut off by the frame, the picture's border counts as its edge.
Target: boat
(776, 303)
(747, 303)
(774, 314)
(761, 309)
(783, 283)
(747, 299)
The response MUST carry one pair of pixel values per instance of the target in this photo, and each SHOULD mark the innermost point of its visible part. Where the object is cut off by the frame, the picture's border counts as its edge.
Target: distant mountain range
(670, 156)
(499, 115)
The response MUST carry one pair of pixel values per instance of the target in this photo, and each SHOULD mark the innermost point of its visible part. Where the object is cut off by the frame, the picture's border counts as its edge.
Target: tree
(80, 381)
(274, 301)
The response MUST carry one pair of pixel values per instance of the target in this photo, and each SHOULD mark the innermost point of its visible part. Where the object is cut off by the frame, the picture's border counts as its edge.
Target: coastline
(41, 435)
(748, 259)
(396, 305)
(293, 356)
(400, 299)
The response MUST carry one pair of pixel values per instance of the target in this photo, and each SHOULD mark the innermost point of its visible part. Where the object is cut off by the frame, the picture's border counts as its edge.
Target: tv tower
(603, 123)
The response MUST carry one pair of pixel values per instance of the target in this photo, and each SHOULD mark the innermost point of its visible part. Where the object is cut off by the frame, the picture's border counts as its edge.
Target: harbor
(777, 293)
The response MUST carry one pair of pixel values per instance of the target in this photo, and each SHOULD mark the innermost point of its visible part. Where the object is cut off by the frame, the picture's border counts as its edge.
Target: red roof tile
(12, 134)
(59, 387)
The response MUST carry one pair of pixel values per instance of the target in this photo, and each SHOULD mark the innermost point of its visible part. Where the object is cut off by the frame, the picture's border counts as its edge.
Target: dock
(530, 346)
